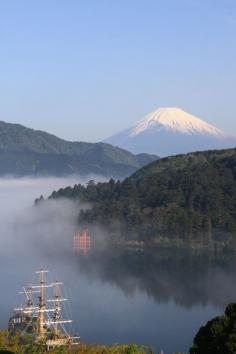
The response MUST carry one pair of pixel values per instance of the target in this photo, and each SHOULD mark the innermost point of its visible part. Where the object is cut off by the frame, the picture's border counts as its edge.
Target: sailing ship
(41, 317)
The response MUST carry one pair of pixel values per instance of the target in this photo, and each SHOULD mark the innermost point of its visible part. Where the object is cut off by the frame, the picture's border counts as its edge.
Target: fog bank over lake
(158, 299)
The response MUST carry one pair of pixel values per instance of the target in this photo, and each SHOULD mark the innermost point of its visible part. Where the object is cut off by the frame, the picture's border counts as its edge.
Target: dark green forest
(173, 200)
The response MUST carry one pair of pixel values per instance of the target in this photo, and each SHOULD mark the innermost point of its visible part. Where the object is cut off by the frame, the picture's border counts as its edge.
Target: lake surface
(158, 299)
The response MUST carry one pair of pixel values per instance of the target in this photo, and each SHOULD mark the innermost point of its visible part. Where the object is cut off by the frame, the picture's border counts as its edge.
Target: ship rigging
(42, 316)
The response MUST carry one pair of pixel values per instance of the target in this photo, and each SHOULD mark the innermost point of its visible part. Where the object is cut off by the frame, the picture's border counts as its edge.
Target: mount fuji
(171, 131)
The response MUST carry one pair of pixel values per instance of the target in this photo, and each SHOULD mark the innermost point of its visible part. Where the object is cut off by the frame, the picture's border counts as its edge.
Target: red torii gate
(82, 241)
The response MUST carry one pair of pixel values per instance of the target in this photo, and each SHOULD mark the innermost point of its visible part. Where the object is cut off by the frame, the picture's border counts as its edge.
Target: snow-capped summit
(170, 131)
(175, 120)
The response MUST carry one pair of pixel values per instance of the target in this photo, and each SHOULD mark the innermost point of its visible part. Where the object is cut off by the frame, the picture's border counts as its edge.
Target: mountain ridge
(25, 151)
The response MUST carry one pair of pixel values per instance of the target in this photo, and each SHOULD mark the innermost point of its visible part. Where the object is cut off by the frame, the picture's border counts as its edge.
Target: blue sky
(85, 69)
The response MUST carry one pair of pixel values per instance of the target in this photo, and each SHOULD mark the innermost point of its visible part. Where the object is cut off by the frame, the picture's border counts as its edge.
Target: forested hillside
(187, 197)
(25, 151)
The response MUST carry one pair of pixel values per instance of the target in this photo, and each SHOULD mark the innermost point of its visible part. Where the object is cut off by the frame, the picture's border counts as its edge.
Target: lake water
(158, 299)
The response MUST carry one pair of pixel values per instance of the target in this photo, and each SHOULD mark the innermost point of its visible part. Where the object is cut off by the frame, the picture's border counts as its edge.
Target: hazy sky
(85, 69)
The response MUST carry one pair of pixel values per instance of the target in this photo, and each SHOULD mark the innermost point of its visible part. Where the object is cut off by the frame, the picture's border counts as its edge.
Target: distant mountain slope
(171, 131)
(183, 198)
(25, 151)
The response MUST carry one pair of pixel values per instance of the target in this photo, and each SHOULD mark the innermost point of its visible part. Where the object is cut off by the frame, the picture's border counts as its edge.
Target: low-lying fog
(115, 298)
(29, 236)
(23, 228)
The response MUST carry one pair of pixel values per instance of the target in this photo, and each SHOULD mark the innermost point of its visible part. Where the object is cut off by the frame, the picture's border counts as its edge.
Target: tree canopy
(186, 197)
(218, 336)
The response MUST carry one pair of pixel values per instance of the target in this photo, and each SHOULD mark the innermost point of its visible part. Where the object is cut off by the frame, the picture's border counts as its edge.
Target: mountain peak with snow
(171, 131)
(176, 120)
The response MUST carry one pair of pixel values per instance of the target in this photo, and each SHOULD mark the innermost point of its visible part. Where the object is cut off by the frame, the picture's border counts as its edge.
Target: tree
(218, 336)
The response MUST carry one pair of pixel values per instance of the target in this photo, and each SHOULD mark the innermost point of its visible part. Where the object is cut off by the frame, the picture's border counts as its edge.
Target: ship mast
(51, 329)
(42, 304)
(57, 313)
(29, 294)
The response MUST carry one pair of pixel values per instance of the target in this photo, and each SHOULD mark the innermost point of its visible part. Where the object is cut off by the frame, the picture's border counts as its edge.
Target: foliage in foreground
(115, 349)
(218, 336)
(12, 346)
